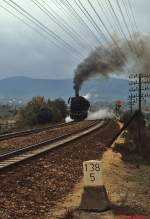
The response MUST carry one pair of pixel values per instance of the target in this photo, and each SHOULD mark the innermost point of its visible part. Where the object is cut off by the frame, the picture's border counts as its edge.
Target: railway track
(32, 131)
(19, 142)
(29, 152)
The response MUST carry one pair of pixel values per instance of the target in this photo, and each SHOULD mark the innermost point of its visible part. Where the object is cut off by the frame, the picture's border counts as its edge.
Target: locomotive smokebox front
(79, 107)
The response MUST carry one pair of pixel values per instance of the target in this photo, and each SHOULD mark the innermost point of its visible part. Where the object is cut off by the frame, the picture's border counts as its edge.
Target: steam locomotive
(79, 107)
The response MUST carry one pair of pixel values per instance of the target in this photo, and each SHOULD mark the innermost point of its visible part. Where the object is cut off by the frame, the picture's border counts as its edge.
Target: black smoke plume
(104, 61)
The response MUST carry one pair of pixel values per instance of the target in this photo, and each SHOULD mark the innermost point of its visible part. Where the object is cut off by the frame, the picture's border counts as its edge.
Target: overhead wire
(67, 6)
(129, 16)
(55, 20)
(21, 14)
(64, 7)
(128, 30)
(88, 16)
(104, 10)
(36, 22)
(133, 27)
(91, 20)
(108, 32)
(27, 24)
(134, 20)
(131, 43)
(111, 13)
(122, 54)
(111, 24)
(105, 27)
(134, 46)
(132, 13)
(118, 23)
(80, 7)
(67, 25)
(80, 19)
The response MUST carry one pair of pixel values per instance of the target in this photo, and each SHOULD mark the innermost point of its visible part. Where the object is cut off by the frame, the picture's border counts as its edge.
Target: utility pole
(131, 109)
(138, 89)
(132, 99)
(140, 94)
(140, 113)
(130, 102)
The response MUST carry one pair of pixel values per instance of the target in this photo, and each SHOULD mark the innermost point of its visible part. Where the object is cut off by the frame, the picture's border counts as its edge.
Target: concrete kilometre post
(94, 197)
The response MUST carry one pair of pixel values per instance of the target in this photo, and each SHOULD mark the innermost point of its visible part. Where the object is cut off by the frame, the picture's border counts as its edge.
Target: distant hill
(107, 90)
(25, 88)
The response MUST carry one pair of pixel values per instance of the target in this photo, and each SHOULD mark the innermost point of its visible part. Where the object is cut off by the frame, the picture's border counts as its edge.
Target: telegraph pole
(130, 102)
(140, 113)
(138, 88)
(140, 95)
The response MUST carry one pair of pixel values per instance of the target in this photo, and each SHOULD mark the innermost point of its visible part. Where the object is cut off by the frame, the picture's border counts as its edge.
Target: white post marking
(92, 173)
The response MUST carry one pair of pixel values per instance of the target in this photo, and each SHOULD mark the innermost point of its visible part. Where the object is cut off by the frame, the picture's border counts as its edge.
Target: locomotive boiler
(79, 107)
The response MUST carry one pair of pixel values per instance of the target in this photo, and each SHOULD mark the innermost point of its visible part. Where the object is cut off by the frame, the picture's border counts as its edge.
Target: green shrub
(39, 111)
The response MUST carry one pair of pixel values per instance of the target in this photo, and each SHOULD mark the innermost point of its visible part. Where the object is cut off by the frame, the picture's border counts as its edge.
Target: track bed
(32, 189)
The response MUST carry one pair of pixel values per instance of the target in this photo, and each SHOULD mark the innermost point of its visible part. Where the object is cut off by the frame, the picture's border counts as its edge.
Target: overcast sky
(24, 52)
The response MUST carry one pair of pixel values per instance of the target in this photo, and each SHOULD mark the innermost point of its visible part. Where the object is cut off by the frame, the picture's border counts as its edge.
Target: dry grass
(127, 184)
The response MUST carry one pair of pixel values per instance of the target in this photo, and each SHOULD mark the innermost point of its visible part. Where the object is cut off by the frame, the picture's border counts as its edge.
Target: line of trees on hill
(42, 111)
